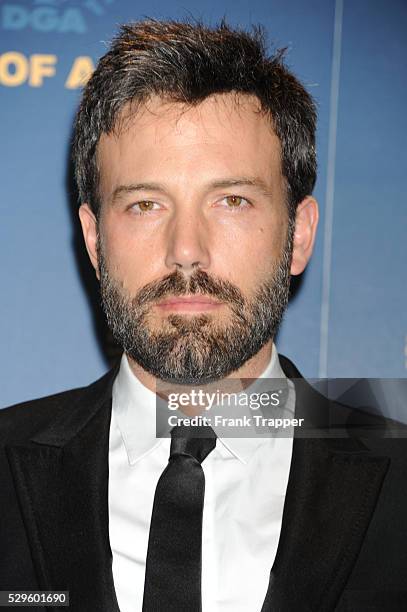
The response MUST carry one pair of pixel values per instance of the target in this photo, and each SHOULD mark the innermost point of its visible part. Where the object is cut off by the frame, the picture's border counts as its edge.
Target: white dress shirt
(245, 486)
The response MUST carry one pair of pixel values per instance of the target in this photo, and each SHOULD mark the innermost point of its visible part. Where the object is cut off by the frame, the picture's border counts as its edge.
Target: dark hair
(187, 62)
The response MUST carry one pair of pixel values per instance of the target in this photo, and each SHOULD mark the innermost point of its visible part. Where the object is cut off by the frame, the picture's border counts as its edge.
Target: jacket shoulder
(23, 420)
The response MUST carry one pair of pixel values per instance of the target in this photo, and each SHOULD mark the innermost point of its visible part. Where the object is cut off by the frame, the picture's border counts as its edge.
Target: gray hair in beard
(196, 349)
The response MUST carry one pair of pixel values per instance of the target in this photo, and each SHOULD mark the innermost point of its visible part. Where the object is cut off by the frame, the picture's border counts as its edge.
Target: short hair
(187, 62)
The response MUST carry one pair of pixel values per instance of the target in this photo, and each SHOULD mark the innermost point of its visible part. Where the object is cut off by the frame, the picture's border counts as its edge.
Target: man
(195, 161)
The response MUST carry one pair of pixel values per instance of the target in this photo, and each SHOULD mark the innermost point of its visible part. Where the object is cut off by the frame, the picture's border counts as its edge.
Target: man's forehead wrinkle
(156, 107)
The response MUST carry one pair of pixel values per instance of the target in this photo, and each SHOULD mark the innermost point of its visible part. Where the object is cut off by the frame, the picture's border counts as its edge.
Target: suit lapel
(332, 492)
(330, 499)
(61, 479)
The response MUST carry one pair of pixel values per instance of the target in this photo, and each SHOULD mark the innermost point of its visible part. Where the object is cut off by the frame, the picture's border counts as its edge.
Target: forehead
(223, 134)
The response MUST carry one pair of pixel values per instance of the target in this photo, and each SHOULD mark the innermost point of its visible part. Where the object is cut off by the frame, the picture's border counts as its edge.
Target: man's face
(193, 248)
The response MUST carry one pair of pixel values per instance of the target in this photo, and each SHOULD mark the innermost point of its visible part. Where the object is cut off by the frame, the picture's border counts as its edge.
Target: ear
(306, 222)
(90, 234)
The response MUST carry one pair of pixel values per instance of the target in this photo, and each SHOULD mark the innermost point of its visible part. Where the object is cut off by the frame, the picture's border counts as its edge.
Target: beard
(195, 349)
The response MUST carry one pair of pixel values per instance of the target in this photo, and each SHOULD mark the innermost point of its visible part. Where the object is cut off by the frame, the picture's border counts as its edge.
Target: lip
(192, 303)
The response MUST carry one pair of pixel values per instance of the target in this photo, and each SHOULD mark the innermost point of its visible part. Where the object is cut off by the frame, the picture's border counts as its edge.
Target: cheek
(132, 261)
(246, 258)
(270, 242)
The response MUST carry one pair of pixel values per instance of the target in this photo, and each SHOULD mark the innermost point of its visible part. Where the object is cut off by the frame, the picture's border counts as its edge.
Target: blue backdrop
(348, 317)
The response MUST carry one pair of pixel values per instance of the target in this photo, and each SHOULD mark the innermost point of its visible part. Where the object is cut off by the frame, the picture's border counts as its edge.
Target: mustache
(199, 283)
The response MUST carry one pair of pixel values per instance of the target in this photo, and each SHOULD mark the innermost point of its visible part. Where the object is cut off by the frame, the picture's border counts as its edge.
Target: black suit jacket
(343, 542)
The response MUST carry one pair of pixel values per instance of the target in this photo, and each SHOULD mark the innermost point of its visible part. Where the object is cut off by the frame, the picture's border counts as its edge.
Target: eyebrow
(255, 182)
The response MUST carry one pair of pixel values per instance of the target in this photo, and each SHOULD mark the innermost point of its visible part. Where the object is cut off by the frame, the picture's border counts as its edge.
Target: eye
(144, 207)
(235, 202)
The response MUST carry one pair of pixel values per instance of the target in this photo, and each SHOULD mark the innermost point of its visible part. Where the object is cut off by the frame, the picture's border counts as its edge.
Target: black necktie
(174, 556)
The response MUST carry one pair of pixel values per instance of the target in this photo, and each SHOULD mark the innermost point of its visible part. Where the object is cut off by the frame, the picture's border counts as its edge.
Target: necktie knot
(195, 441)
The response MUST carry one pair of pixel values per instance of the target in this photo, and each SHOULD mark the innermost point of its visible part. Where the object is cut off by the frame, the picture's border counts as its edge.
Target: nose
(187, 243)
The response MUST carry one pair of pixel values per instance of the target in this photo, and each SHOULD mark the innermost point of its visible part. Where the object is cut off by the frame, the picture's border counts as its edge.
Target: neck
(252, 368)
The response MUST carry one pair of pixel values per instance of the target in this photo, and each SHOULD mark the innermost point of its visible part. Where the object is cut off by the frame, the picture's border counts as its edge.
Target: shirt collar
(134, 410)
